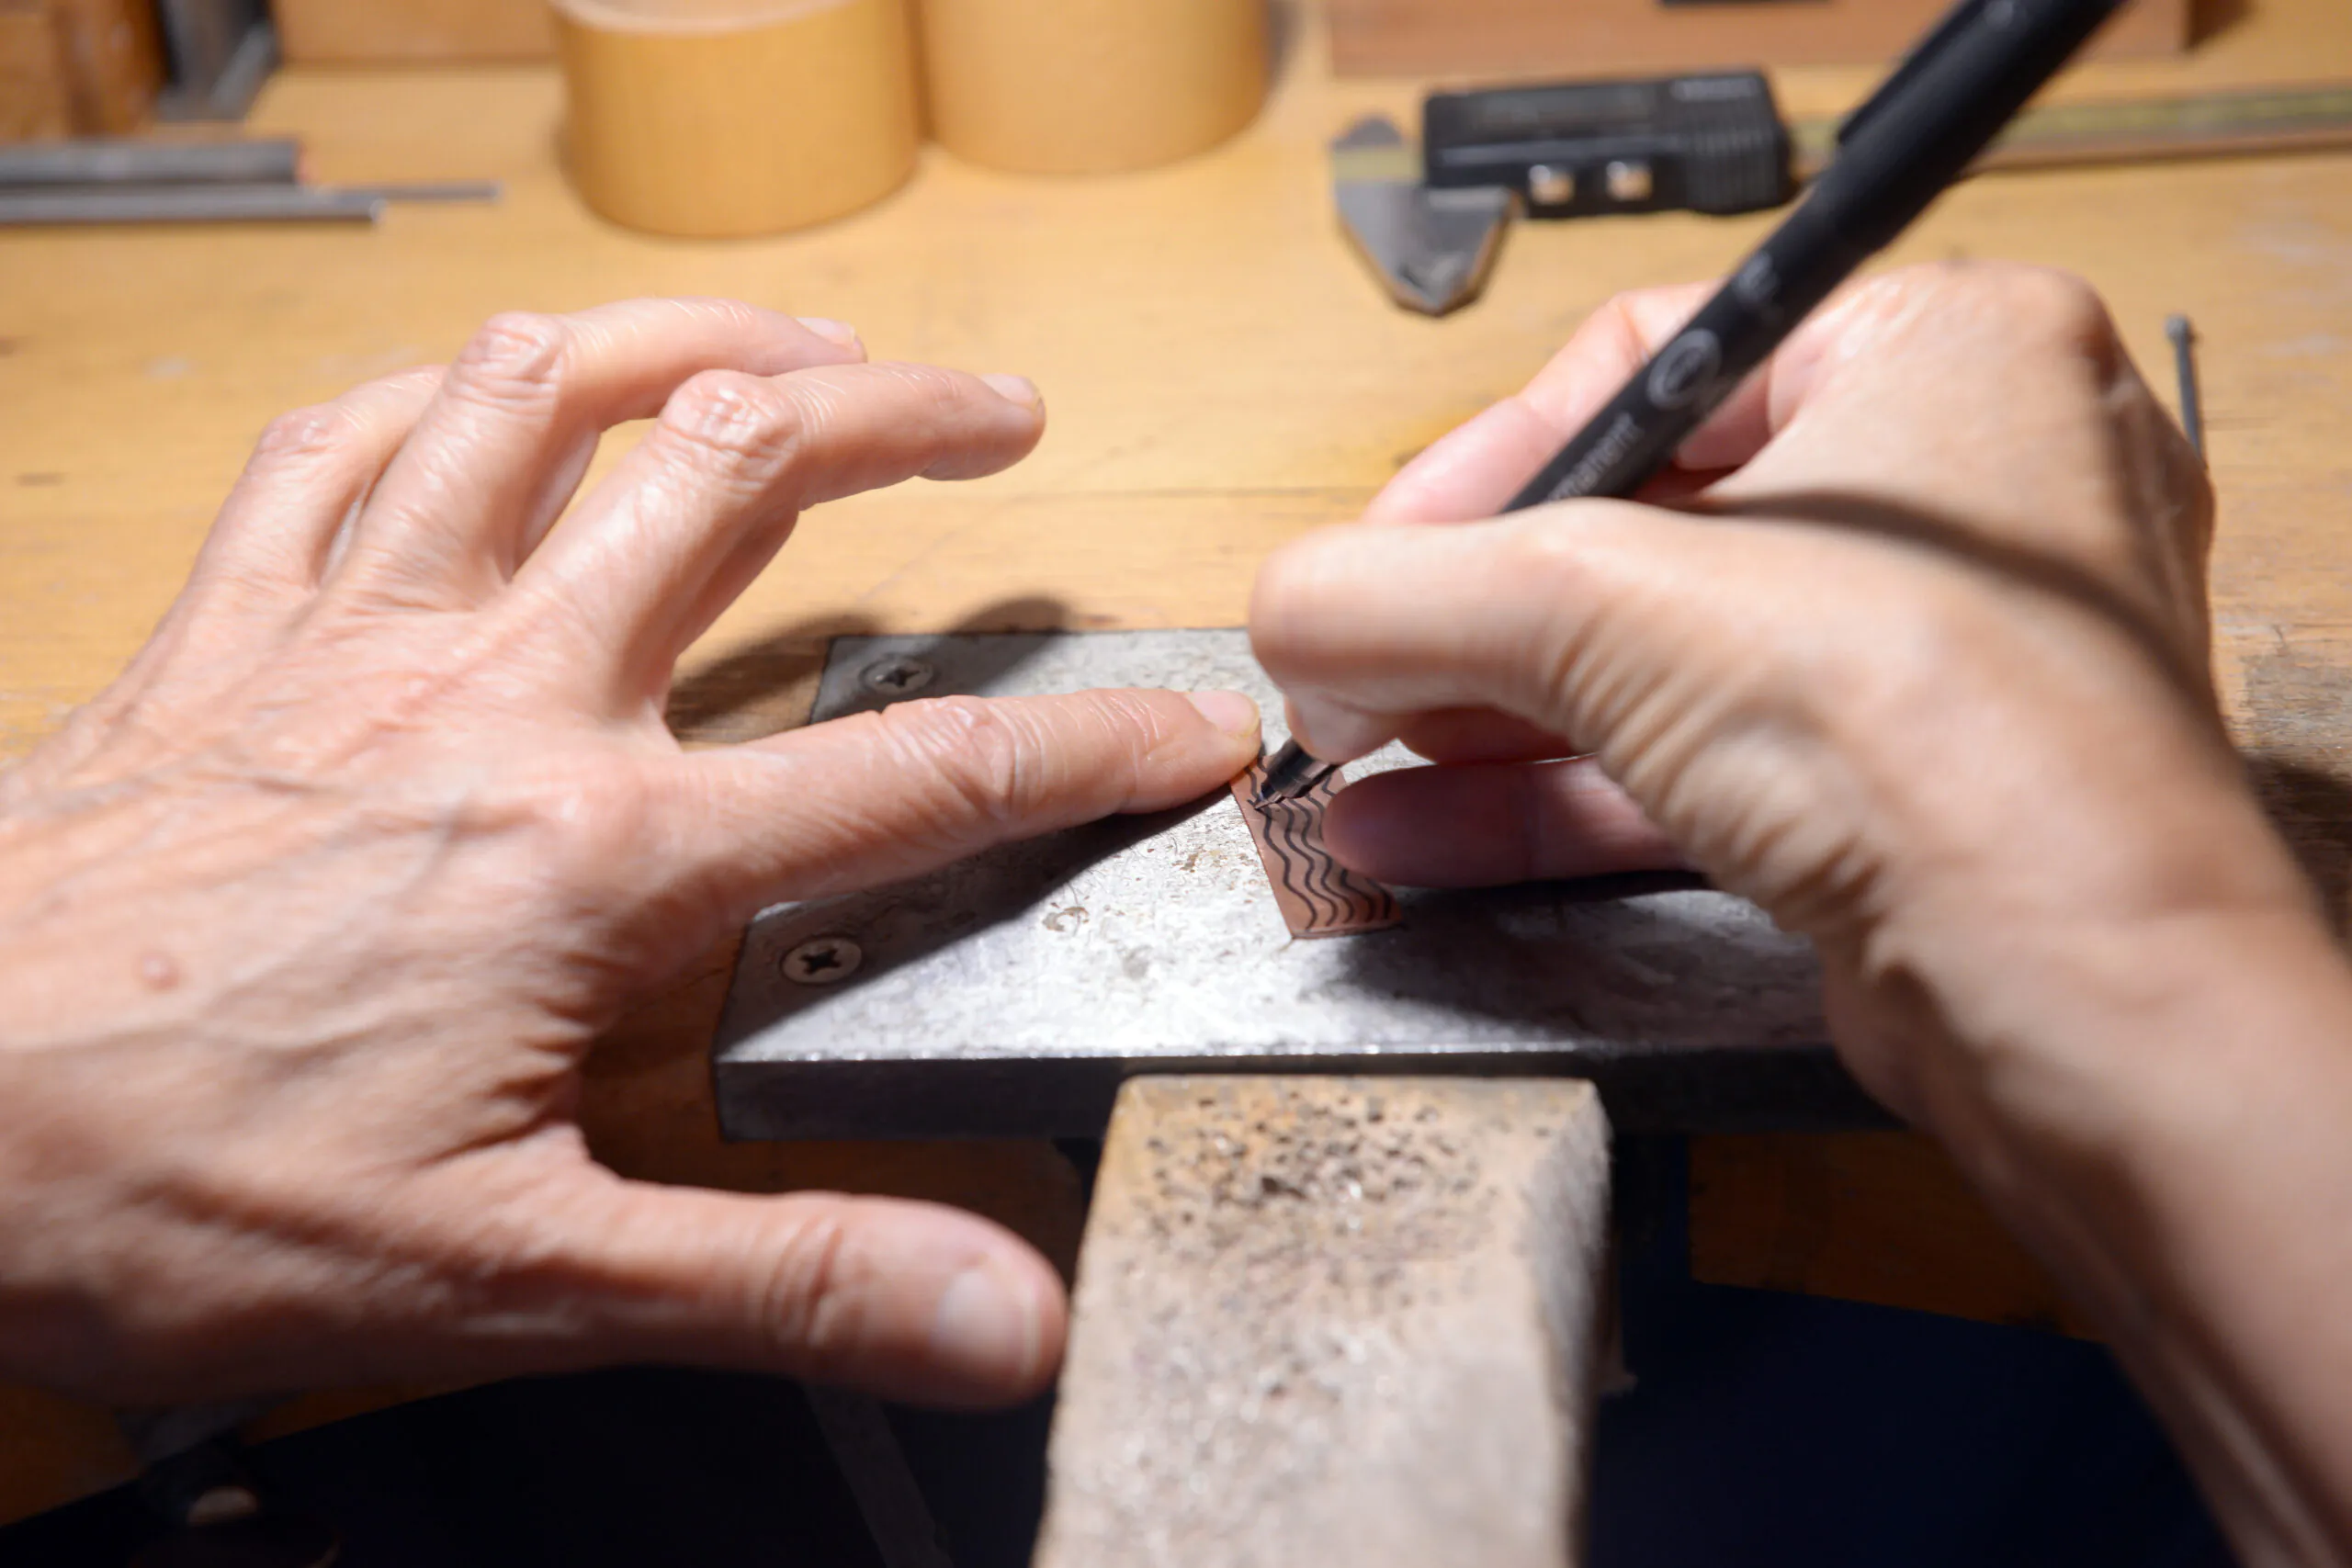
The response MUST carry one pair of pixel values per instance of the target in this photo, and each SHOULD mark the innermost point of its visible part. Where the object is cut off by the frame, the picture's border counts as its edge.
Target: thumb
(871, 798)
(907, 1300)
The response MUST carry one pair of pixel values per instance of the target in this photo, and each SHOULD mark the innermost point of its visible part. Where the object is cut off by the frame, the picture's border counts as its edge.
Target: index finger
(1473, 471)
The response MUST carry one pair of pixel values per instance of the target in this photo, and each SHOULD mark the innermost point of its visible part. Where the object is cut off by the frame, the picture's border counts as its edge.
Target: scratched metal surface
(1010, 993)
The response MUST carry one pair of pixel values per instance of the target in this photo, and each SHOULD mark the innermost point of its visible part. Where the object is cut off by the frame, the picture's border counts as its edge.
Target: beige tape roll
(704, 117)
(1090, 87)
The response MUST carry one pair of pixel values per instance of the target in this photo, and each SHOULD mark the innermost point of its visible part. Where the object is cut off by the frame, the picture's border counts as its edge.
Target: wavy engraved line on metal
(1286, 823)
(1281, 867)
(1338, 885)
(1290, 824)
(1318, 896)
(1356, 900)
(1342, 886)
(1285, 835)
(1303, 823)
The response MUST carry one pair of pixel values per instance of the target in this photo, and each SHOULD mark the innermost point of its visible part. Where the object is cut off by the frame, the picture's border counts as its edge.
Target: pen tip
(1291, 774)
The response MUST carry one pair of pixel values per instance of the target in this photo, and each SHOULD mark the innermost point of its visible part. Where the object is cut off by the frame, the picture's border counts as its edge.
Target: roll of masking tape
(712, 117)
(1090, 87)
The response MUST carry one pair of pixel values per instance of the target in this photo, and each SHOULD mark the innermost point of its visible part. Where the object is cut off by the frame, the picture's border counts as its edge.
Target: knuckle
(1626, 308)
(618, 824)
(575, 829)
(808, 1296)
(734, 315)
(1639, 319)
(1547, 561)
(2042, 304)
(304, 435)
(738, 420)
(1554, 587)
(1623, 310)
(366, 413)
(608, 826)
(981, 761)
(2061, 307)
(1541, 552)
(515, 354)
(2054, 294)
(1288, 596)
(938, 391)
(418, 380)
(1611, 333)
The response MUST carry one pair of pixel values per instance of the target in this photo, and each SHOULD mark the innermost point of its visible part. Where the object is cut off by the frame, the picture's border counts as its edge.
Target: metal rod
(138, 162)
(2184, 364)
(2209, 125)
(897, 1519)
(429, 191)
(189, 204)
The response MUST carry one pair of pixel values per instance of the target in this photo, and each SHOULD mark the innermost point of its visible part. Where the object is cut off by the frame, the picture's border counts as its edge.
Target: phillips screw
(899, 676)
(822, 961)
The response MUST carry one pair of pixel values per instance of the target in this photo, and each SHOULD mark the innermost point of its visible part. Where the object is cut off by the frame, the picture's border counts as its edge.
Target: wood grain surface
(1222, 376)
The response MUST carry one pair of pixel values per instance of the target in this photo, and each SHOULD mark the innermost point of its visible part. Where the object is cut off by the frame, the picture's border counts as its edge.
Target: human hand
(306, 922)
(1912, 649)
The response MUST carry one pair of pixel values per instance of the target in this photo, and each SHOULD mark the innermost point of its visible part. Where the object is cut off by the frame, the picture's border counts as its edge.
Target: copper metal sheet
(1317, 895)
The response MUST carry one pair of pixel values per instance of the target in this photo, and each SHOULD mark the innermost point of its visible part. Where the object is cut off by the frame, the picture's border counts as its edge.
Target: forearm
(2171, 1129)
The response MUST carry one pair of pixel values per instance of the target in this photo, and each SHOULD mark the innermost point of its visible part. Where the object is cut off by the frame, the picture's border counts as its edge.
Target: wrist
(2165, 1132)
(2061, 883)
(2067, 1048)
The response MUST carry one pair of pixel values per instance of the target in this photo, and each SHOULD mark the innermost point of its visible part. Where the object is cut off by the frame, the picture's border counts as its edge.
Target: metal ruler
(2259, 120)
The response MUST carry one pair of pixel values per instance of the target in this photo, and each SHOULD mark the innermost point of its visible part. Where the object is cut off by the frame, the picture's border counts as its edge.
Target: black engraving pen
(1896, 155)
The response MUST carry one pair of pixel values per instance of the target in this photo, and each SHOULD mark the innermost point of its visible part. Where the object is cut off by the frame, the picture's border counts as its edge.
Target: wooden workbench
(1222, 376)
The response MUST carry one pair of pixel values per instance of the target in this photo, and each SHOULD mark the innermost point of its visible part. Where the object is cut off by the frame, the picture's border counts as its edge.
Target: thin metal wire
(2184, 364)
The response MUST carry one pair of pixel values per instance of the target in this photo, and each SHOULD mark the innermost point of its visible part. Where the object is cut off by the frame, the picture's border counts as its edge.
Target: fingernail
(986, 1323)
(1229, 711)
(831, 331)
(1016, 389)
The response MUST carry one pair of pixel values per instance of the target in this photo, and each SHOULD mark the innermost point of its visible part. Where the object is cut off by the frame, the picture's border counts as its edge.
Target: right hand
(1919, 662)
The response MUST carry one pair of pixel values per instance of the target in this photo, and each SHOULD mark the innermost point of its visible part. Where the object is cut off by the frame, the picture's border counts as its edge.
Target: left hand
(306, 922)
